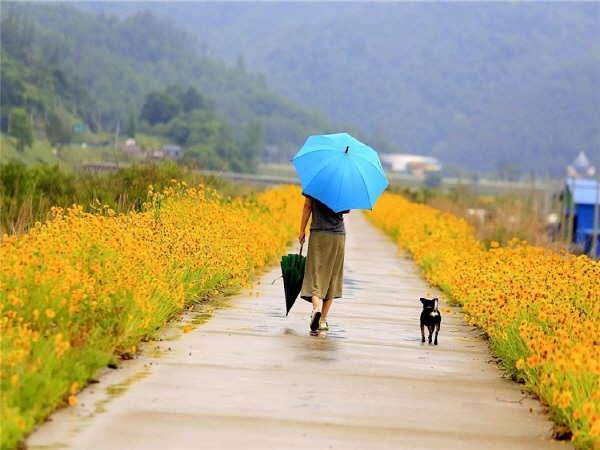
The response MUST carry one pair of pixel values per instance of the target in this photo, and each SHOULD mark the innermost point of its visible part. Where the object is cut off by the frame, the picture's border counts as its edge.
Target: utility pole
(564, 192)
(571, 222)
(117, 134)
(116, 141)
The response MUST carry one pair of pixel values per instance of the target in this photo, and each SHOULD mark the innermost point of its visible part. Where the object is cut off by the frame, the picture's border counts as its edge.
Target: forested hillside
(64, 64)
(477, 84)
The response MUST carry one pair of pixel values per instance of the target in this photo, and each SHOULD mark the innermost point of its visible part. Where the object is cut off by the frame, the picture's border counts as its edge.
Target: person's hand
(301, 237)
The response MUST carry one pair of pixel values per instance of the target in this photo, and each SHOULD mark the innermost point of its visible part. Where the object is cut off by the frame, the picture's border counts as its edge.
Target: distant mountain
(477, 84)
(102, 67)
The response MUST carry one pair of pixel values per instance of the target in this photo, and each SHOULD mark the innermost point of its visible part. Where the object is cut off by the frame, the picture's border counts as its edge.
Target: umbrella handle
(301, 246)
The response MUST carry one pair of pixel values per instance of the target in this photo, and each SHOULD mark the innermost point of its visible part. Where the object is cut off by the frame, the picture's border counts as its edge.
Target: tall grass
(28, 194)
(494, 218)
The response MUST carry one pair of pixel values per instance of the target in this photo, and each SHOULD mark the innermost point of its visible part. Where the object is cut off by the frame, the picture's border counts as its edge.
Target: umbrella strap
(301, 246)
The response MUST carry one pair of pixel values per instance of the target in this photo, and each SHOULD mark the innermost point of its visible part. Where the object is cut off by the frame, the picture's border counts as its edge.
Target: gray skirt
(324, 270)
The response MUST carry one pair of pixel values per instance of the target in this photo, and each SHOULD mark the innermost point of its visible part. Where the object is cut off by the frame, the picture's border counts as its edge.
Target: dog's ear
(423, 300)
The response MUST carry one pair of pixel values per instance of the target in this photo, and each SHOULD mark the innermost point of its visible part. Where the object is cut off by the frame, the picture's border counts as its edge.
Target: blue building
(582, 198)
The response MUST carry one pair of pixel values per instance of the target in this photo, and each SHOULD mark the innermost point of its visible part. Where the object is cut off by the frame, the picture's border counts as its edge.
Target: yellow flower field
(540, 309)
(83, 289)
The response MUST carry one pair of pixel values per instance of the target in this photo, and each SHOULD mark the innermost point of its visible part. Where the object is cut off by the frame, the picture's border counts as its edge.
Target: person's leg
(316, 302)
(315, 316)
(336, 276)
(326, 305)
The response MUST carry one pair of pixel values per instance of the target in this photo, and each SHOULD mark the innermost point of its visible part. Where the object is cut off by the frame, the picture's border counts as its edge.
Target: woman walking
(324, 270)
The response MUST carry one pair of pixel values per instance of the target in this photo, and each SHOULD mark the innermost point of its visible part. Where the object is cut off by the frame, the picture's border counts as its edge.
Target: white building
(415, 164)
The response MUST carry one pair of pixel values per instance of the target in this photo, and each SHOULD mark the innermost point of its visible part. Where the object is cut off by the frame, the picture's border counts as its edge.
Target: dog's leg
(422, 332)
(430, 328)
(437, 330)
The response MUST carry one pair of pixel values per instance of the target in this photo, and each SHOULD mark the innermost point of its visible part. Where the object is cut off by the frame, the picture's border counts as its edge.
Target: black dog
(430, 318)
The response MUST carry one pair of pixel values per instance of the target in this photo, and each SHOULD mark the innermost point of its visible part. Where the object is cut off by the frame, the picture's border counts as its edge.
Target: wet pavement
(252, 378)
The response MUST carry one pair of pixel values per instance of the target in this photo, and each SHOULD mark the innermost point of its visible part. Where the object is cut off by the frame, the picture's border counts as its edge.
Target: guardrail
(252, 178)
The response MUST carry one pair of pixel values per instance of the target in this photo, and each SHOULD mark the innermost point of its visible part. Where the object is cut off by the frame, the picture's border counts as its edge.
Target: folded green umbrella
(292, 271)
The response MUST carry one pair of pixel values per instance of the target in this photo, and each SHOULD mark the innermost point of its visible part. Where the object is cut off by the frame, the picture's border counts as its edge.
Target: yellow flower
(565, 399)
(21, 423)
(72, 400)
(532, 361)
(588, 409)
(520, 364)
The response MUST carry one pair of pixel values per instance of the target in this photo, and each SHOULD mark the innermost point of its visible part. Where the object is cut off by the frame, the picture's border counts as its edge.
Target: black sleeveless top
(325, 219)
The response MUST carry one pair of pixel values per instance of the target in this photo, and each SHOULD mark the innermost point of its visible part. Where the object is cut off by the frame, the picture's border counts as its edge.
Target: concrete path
(252, 378)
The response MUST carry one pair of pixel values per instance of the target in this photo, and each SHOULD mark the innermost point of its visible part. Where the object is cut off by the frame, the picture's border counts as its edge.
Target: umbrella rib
(315, 176)
(364, 182)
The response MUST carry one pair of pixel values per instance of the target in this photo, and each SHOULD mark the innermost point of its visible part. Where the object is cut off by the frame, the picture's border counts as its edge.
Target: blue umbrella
(340, 171)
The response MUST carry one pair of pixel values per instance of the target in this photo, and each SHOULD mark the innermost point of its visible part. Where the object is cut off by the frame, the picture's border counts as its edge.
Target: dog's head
(430, 303)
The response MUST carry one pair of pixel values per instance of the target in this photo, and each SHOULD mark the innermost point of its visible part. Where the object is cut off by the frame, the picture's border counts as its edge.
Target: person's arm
(306, 212)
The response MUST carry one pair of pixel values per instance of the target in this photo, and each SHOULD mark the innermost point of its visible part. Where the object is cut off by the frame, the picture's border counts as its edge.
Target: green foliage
(12, 93)
(160, 107)
(33, 78)
(58, 187)
(15, 181)
(58, 128)
(131, 125)
(16, 32)
(191, 122)
(252, 144)
(21, 129)
(27, 194)
(193, 99)
(100, 69)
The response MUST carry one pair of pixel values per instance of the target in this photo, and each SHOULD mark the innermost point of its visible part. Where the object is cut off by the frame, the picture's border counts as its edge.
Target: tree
(21, 128)
(193, 99)
(58, 129)
(252, 145)
(16, 32)
(178, 129)
(12, 89)
(131, 125)
(160, 107)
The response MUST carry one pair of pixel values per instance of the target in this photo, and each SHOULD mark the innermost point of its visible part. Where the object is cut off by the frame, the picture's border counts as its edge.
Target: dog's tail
(435, 311)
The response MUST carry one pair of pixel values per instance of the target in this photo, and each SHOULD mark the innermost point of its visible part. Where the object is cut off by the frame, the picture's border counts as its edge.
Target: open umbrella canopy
(340, 171)
(292, 271)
